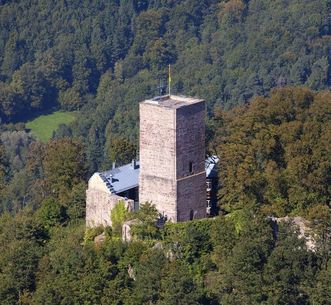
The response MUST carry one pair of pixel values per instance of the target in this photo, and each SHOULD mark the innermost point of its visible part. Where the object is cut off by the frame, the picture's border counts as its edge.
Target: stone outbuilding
(106, 189)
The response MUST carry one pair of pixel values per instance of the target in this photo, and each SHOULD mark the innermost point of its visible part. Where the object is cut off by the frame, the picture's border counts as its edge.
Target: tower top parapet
(172, 101)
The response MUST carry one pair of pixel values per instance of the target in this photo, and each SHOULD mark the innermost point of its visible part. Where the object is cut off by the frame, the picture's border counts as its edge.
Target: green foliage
(177, 285)
(21, 226)
(147, 212)
(119, 215)
(16, 144)
(191, 242)
(198, 262)
(21, 240)
(120, 151)
(274, 154)
(3, 166)
(239, 261)
(223, 237)
(91, 233)
(75, 202)
(321, 291)
(51, 213)
(240, 219)
(148, 277)
(18, 269)
(146, 227)
(102, 58)
(63, 165)
(287, 269)
(43, 126)
(158, 55)
(319, 216)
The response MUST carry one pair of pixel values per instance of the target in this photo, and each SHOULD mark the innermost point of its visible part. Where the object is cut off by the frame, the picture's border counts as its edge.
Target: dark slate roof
(126, 177)
(210, 166)
(121, 179)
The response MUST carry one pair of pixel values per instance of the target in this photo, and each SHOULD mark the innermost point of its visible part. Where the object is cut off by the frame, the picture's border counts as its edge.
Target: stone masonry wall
(191, 197)
(99, 205)
(190, 155)
(157, 181)
(171, 139)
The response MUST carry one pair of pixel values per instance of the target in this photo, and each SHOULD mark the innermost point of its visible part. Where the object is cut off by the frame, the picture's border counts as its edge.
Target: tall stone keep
(172, 156)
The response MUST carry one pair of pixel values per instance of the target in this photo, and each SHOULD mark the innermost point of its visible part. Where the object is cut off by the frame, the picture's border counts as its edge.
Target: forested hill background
(263, 67)
(109, 55)
(103, 57)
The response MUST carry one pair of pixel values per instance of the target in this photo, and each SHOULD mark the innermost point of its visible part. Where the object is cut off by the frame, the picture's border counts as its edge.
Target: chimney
(114, 165)
(134, 164)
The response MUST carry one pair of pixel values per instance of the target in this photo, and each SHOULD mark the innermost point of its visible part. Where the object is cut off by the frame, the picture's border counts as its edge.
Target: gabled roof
(126, 177)
(123, 178)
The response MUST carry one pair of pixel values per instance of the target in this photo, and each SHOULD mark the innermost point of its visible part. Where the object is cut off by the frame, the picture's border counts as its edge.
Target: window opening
(191, 214)
(191, 167)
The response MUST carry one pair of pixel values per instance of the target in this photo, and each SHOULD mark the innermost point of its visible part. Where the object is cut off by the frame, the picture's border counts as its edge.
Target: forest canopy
(104, 57)
(56, 54)
(275, 152)
(263, 68)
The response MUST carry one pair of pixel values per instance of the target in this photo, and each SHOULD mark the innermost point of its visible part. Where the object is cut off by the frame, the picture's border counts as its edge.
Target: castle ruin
(172, 172)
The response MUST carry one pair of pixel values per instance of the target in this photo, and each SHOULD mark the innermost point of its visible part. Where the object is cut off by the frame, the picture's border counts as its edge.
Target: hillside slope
(225, 51)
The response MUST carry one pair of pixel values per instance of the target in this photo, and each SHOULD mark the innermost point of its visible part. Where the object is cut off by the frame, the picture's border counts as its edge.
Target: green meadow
(43, 126)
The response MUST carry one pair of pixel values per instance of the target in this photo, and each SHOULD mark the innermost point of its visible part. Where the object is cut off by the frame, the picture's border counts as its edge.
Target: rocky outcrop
(303, 229)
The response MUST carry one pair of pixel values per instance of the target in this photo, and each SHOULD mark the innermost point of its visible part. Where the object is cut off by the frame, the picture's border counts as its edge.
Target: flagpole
(169, 80)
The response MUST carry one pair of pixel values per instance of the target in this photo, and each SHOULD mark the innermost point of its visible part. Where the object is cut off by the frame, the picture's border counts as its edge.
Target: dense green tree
(321, 291)
(120, 151)
(148, 278)
(16, 144)
(159, 55)
(119, 215)
(287, 270)
(63, 165)
(50, 213)
(239, 264)
(71, 99)
(21, 238)
(13, 52)
(9, 100)
(177, 285)
(75, 202)
(18, 265)
(274, 152)
(146, 216)
(3, 166)
(103, 58)
(17, 194)
(319, 216)
(225, 51)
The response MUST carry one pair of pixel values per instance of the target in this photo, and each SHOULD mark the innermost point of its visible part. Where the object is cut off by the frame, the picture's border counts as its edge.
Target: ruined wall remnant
(100, 202)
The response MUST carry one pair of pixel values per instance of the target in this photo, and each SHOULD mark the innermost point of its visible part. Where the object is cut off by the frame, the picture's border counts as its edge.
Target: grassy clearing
(43, 126)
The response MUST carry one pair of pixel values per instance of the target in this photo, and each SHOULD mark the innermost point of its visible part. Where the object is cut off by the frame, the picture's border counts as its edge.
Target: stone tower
(172, 156)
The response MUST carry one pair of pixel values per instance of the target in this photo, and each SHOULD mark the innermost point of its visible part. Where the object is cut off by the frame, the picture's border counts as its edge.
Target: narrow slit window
(191, 215)
(191, 167)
